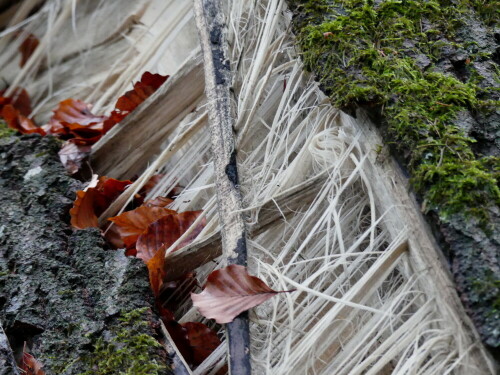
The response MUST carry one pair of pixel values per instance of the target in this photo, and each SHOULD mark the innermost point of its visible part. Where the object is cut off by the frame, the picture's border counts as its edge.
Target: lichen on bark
(426, 71)
(62, 291)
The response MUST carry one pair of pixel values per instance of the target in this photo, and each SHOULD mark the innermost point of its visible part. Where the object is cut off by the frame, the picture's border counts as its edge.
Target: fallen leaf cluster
(73, 120)
(147, 232)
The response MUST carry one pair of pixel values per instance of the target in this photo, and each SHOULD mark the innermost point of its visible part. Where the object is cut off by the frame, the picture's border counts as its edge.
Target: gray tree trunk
(79, 307)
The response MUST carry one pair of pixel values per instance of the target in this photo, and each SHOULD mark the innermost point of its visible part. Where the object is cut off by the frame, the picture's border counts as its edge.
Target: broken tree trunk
(211, 29)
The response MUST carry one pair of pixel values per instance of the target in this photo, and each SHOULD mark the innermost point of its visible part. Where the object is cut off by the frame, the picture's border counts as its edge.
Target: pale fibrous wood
(326, 215)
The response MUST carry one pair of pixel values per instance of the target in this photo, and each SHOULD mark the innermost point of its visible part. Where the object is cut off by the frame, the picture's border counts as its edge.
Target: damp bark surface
(426, 73)
(79, 307)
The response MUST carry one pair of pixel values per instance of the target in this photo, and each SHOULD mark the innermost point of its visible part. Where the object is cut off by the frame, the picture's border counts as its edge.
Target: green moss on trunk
(383, 54)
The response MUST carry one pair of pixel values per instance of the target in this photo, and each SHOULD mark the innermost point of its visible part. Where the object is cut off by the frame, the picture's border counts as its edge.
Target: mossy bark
(426, 72)
(78, 306)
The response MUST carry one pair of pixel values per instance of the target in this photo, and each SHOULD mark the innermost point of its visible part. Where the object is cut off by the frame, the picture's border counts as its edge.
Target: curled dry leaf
(202, 340)
(230, 291)
(19, 122)
(131, 224)
(19, 100)
(74, 118)
(72, 155)
(153, 243)
(129, 101)
(194, 340)
(92, 202)
(30, 366)
(165, 231)
(27, 47)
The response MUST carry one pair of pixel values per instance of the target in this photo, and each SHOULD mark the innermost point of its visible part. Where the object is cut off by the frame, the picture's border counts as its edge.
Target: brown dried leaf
(30, 366)
(19, 122)
(156, 264)
(202, 340)
(230, 291)
(129, 101)
(131, 224)
(27, 47)
(72, 155)
(19, 99)
(165, 231)
(73, 118)
(93, 201)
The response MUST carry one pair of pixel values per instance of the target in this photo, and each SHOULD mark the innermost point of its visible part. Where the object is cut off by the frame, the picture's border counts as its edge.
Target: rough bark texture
(79, 307)
(427, 73)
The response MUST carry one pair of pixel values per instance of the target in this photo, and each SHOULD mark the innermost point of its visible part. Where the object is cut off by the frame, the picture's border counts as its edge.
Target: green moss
(5, 131)
(487, 291)
(130, 351)
(383, 55)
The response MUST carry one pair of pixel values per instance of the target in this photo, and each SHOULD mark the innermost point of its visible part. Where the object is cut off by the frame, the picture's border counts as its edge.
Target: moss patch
(386, 55)
(5, 131)
(128, 351)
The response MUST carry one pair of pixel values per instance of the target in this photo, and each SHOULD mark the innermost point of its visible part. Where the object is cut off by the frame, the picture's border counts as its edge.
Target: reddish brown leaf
(195, 341)
(156, 268)
(19, 100)
(165, 231)
(155, 259)
(202, 340)
(72, 155)
(91, 203)
(113, 237)
(82, 213)
(152, 182)
(174, 293)
(19, 122)
(30, 366)
(74, 118)
(230, 291)
(27, 48)
(131, 224)
(148, 84)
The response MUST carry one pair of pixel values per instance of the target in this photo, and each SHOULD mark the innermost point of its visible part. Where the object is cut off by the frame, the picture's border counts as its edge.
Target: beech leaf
(72, 155)
(202, 340)
(19, 100)
(27, 47)
(155, 259)
(30, 366)
(16, 120)
(165, 231)
(74, 118)
(129, 101)
(230, 291)
(93, 201)
(132, 223)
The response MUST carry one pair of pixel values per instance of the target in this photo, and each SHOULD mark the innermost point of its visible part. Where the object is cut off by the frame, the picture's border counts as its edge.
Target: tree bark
(72, 301)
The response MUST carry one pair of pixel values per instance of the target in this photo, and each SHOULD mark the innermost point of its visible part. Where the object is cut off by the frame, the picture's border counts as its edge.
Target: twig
(211, 29)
